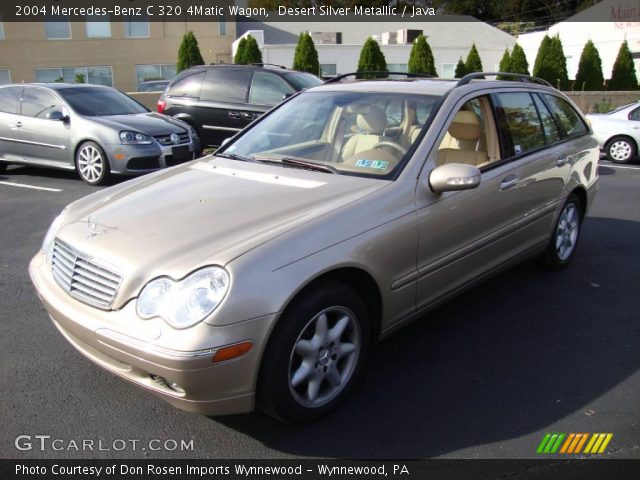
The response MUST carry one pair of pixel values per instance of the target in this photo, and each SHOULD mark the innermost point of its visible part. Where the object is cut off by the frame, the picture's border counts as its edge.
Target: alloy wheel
(90, 163)
(567, 231)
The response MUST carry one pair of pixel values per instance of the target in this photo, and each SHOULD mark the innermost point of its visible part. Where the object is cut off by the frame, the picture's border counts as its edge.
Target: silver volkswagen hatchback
(259, 276)
(93, 129)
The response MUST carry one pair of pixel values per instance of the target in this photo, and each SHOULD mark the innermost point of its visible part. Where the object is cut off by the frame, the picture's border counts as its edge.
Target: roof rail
(260, 64)
(520, 77)
(338, 78)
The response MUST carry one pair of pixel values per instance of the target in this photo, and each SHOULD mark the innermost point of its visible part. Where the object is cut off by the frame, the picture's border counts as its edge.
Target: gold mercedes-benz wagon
(260, 275)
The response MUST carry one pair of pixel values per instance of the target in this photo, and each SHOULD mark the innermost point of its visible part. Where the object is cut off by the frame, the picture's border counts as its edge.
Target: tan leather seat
(372, 122)
(467, 130)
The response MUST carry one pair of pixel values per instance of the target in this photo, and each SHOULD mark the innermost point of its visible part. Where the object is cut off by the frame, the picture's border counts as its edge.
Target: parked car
(260, 275)
(618, 132)
(153, 86)
(93, 129)
(220, 100)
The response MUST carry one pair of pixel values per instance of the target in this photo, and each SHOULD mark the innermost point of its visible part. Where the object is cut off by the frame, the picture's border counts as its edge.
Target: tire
(566, 234)
(620, 149)
(314, 354)
(92, 164)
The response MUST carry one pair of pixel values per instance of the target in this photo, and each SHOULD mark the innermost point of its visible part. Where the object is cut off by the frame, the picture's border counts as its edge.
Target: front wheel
(92, 164)
(620, 149)
(314, 354)
(564, 241)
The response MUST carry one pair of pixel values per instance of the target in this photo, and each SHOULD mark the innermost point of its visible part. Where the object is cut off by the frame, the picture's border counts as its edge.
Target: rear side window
(188, 86)
(521, 122)
(551, 132)
(567, 118)
(10, 99)
(37, 103)
(635, 115)
(268, 89)
(226, 85)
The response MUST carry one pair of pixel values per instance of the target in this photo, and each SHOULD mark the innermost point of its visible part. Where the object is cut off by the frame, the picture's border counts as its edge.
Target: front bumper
(137, 159)
(143, 353)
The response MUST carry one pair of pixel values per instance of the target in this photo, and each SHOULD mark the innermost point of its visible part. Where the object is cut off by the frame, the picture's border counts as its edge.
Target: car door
(10, 123)
(465, 234)
(223, 109)
(45, 140)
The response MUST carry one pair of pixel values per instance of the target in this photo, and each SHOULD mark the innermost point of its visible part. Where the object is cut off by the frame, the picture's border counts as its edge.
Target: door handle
(562, 160)
(234, 114)
(509, 182)
(249, 116)
(18, 124)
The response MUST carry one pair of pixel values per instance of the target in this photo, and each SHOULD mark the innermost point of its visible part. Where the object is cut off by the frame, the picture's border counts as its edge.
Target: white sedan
(618, 132)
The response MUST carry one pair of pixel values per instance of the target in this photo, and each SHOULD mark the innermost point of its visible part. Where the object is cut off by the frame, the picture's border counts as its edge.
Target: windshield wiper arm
(235, 156)
(319, 167)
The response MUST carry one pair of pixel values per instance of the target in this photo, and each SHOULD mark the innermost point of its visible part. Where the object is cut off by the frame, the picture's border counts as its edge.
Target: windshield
(358, 133)
(623, 107)
(302, 81)
(98, 102)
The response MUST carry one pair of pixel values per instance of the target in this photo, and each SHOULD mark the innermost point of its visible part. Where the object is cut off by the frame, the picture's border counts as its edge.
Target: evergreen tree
(539, 66)
(473, 63)
(623, 76)
(551, 64)
(505, 64)
(305, 58)
(189, 53)
(240, 52)
(589, 76)
(518, 62)
(421, 57)
(252, 52)
(371, 58)
(461, 70)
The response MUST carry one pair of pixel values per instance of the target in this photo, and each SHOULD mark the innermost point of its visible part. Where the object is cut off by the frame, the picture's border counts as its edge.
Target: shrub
(189, 53)
(461, 70)
(421, 57)
(589, 76)
(305, 58)
(371, 58)
(473, 62)
(623, 76)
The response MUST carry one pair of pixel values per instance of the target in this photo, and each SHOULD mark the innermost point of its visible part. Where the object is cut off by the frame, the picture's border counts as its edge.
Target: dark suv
(220, 100)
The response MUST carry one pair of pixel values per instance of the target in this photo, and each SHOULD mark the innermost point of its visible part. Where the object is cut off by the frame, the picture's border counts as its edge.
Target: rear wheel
(620, 149)
(92, 164)
(564, 241)
(314, 353)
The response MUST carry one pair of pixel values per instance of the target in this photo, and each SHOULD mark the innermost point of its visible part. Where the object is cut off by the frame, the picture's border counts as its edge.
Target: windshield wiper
(235, 156)
(295, 162)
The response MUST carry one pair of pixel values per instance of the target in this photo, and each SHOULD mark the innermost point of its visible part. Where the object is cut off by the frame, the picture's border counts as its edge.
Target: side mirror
(454, 176)
(57, 115)
(287, 95)
(225, 141)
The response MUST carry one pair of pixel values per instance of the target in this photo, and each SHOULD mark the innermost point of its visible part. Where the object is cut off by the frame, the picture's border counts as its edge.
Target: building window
(95, 75)
(58, 28)
(448, 70)
(144, 73)
(5, 77)
(97, 27)
(397, 67)
(222, 26)
(328, 69)
(136, 28)
(1, 29)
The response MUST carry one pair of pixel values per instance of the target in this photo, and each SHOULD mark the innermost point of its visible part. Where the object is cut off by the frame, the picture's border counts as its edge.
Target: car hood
(205, 212)
(150, 123)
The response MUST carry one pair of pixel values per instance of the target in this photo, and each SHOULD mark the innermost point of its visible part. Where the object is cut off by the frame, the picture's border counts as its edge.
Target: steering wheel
(386, 143)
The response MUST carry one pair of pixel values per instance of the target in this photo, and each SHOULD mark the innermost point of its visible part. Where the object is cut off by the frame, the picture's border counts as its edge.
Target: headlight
(187, 302)
(47, 243)
(134, 138)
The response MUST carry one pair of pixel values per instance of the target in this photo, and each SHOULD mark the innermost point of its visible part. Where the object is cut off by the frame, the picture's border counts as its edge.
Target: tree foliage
(252, 51)
(305, 58)
(551, 64)
(189, 53)
(421, 57)
(624, 75)
(589, 76)
(505, 64)
(240, 52)
(371, 58)
(473, 62)
(518, 62)
(461, 70)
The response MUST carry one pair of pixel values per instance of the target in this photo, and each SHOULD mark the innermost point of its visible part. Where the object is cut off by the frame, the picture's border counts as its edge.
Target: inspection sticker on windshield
(377, 164)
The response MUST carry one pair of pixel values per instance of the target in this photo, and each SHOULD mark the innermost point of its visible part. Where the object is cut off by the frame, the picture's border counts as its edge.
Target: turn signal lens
(232, 351)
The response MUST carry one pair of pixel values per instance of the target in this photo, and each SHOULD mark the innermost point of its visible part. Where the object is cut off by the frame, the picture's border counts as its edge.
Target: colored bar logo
(573, 443)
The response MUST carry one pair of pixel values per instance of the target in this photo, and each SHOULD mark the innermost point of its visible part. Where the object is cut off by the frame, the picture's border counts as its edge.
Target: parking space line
(618, 166)
(34, 187)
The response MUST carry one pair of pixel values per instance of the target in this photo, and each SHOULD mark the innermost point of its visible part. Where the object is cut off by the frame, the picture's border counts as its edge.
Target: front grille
(82, 277)
(165, 140)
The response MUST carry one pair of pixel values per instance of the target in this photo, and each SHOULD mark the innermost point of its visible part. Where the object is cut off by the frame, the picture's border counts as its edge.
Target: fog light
(174, 386)
(164, 383)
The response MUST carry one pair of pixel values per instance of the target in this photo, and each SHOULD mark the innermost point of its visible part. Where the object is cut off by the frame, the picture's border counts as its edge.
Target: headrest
(372, 119)
(465, 126)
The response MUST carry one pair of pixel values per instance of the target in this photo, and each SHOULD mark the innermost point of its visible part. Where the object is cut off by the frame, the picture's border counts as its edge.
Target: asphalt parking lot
(485, 376)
